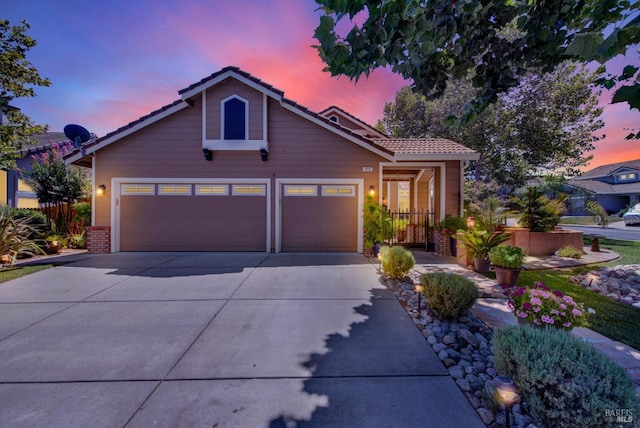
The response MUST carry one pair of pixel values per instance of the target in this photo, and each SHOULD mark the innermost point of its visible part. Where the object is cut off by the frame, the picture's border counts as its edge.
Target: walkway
(492, 308)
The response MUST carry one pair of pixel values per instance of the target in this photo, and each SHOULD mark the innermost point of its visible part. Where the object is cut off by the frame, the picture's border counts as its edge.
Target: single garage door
(193, 217)
(319, 217)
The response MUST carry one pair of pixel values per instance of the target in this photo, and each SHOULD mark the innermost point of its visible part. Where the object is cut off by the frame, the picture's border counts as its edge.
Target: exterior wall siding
(172, 148)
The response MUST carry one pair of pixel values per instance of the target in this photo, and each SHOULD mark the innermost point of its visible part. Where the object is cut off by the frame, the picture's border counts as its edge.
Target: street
(615, 230)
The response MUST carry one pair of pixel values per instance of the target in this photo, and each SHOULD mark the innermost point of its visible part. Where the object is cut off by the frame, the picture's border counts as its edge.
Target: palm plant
(478, 243)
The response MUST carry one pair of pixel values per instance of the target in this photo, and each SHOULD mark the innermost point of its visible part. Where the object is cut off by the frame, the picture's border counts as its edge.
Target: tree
(57, 185)
(493, 41)
(547, 123)
(17, 78)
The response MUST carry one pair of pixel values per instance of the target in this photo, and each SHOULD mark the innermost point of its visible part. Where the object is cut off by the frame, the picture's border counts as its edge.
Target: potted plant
(507, 261)
(449, 226)
(541, 306)
(378, 225)
(478, 243)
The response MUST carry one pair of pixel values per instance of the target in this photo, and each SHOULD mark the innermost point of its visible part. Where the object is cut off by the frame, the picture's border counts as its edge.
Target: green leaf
(628, 72)
(584, 45)
(629, 94)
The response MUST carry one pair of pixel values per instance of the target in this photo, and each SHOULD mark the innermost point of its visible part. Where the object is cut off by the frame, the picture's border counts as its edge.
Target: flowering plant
(543, 306)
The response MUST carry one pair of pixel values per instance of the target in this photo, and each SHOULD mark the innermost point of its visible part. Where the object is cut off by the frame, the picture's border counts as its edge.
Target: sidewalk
(491, 306)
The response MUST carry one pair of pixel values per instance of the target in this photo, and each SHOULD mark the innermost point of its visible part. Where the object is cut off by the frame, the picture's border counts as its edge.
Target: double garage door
(236, 216)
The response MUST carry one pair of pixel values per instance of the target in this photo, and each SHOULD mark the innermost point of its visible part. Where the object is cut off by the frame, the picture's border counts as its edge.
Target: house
(613, 186)
(233, 165)
(14, 191)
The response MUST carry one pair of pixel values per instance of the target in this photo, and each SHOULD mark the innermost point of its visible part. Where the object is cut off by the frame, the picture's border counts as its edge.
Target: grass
(9, 273)
(586, 220)
(612, 319)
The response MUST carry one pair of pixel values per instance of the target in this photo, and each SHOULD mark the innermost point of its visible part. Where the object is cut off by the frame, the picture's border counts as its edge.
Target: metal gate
(413, 229)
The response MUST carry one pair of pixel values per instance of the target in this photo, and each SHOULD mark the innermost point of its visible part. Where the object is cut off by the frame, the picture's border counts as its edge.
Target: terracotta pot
(481, 265)
(505, 276)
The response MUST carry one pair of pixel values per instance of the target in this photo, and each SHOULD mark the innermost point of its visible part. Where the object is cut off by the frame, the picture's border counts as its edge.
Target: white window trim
(339, 195)
(224, 186)
(291, 186)
(246, 118)
(234, 191)
(117, 182)
(162, 192)
(279, 185)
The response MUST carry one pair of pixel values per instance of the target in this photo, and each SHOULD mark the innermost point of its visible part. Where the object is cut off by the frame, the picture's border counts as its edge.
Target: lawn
(615, 320)
(9, 273)
(586, 220)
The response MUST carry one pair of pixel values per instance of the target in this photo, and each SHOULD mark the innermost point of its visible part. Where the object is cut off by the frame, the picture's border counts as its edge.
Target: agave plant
(478, 243)
(15, 236)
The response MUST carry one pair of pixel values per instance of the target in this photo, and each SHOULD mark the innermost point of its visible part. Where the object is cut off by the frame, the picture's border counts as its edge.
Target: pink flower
(567, 324)
(526, 306)
(562, 306)
(576, 312)
(558, 293)
(536, 301)
(555, 312)
(537, 309)
(520, 314)
(547, 319)
(569, 300)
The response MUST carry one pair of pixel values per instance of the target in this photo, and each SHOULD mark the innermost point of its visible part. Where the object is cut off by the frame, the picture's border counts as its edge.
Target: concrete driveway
(217, 340)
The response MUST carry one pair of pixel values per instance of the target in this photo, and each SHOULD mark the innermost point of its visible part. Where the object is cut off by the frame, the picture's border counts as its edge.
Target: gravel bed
(620, 283)
(464, 345)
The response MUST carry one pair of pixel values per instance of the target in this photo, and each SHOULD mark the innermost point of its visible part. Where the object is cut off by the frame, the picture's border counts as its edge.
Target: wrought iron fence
(413, 229)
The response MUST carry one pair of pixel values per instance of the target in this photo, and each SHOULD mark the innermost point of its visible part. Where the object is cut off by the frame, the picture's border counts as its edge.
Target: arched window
(234, 118)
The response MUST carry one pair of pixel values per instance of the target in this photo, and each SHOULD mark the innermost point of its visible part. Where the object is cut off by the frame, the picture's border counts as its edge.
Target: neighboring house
(13, 190)
(613, 186)
(233, 165)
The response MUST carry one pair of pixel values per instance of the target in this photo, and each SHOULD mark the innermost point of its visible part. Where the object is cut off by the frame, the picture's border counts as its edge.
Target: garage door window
(338, 190)
(248, 190)
(212, 189)
(138, 189)
(294, 190)
(174, 189)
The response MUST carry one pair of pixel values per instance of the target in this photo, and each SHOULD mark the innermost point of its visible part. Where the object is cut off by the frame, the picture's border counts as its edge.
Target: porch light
(208, 154)
(372, 190)
(471, 222)
(264, 154)
(506, 393)
(101, 189)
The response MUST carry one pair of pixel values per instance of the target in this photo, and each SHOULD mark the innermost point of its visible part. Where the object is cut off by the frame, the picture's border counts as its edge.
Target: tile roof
(385, 145)
(235, 70)
(606, 170)
(44, 142)
(423, 146)
(352, 117)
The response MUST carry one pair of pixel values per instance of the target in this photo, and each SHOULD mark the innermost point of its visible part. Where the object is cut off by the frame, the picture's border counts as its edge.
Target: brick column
(99, 239)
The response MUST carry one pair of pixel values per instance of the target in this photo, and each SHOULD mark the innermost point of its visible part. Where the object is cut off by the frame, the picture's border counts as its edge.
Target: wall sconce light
(506, 393)
(101, 189)
(372, 190)
(471, 222)
(264, 154)
(208, 154)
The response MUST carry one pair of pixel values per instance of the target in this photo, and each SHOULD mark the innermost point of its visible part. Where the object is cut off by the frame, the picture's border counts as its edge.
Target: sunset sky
(112, 62)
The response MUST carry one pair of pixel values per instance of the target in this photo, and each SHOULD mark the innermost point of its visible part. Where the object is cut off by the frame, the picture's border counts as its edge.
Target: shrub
(566, 381)
(78, 241)
(377, 222)
(507, 256)
(61, 240)
(396, 261)
(15, 236)
(537, 212)
(570, 251)
(448, 294)
(34, 218)
(450, 224)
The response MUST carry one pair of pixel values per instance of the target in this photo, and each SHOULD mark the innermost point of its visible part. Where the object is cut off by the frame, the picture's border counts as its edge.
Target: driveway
(217, 340)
